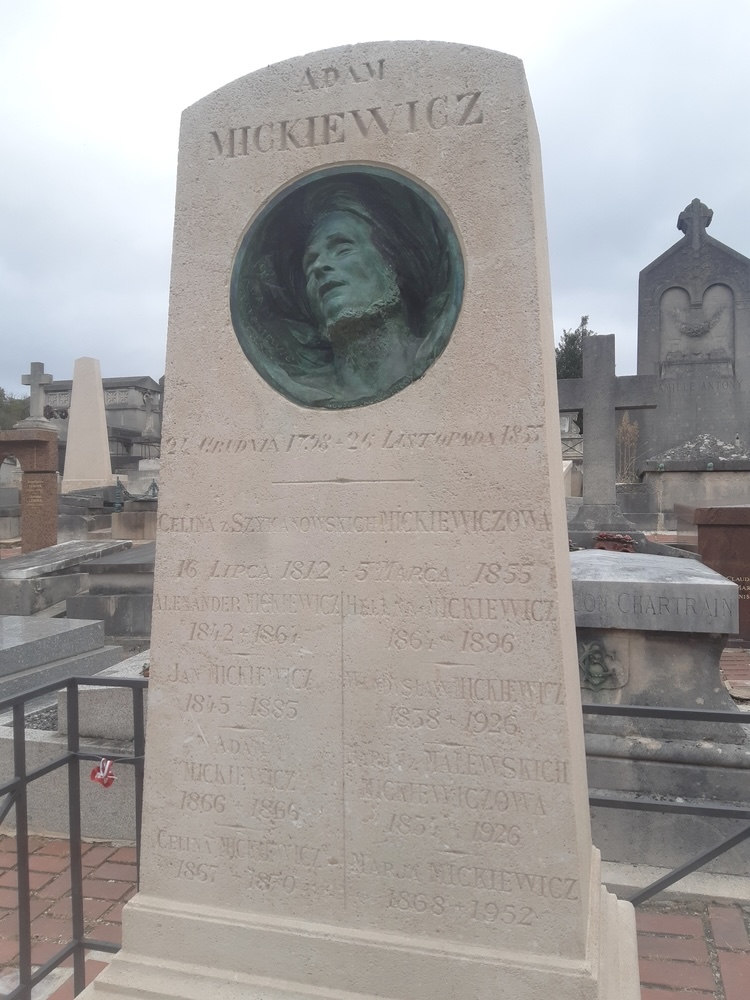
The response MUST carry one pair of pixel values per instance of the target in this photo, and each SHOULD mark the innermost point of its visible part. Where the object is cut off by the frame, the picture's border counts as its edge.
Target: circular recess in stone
(346, 287)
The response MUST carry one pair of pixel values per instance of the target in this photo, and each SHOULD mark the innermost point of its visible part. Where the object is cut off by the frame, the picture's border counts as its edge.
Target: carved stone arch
(692, 332)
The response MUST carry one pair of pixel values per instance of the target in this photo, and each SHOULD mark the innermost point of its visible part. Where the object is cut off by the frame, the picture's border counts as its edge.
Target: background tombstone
(367, 773)
(600, 394)
(694, 335)
(87, 461)
(36, 450)
(33, 443)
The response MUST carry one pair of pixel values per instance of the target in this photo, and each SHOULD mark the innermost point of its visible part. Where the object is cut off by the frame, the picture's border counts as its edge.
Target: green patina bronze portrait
(346, 288)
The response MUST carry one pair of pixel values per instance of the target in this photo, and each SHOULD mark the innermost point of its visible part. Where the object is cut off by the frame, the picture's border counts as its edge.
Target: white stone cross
(36, 379)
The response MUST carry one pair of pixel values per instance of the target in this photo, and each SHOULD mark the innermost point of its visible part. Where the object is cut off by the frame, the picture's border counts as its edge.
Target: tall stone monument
(87, 461)
(366, 769)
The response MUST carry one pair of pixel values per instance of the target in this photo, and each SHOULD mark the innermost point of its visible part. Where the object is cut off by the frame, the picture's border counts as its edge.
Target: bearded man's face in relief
(346, 277)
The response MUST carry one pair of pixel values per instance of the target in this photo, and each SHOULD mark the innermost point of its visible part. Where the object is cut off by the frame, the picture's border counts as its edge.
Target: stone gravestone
(87, 461)
(600, 394)
(366, 770)
(694, 335)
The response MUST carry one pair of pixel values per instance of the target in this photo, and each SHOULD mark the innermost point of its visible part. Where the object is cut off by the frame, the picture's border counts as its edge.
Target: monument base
(73, 485)
(236, 955)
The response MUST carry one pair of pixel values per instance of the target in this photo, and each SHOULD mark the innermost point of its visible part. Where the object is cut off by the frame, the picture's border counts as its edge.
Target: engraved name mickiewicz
(552, 772)
(386, 521)
(462, 688)
(431, 114)
(466, 876)
(474, 877)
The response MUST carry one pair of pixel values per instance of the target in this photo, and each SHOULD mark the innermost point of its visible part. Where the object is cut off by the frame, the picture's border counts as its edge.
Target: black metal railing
(644, 804)
(14, 795)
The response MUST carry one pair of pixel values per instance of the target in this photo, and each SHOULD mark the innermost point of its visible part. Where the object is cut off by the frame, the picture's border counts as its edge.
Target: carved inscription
(425, 114)
(716, 385)
(384, 522)
(450, 786)
(33, 493)
(388, 440)
(666, 605)
(323, 78)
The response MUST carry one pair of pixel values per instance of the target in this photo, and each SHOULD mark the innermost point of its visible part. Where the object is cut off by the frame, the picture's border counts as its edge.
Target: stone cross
(600, 393)
(36, 379)
(694, 220)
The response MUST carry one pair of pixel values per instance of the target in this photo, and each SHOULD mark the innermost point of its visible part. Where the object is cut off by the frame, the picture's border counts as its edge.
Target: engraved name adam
(430, 114)
(325, 77)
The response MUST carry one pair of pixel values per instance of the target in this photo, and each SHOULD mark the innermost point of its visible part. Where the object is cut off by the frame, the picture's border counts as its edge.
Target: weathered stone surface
(134, 524)
(106, 712)
(27, 597)
(632, 613)
(364, 698)
(702, 773)
(124, 614)
(57, 558)
(646, 592)
(128, 571)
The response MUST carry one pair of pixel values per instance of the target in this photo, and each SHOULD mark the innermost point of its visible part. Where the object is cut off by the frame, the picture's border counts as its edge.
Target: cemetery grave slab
(37, 651)
(57, 558)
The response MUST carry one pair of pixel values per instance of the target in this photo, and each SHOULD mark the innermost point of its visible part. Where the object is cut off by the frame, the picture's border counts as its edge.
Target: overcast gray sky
(641, 107)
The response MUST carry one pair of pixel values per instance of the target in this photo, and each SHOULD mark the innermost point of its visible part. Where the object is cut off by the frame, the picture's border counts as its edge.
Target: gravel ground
(45, 718)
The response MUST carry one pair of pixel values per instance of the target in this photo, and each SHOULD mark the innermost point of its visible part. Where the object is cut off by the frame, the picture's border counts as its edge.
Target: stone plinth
(366, 771)
(651, 630)
(36, 450)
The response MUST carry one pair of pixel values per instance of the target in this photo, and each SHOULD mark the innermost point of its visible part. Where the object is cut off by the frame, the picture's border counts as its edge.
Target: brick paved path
(108, 881)
(735, 671)
(688, 951)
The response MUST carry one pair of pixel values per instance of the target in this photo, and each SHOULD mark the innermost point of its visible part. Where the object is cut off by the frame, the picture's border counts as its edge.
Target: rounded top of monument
(361, 64)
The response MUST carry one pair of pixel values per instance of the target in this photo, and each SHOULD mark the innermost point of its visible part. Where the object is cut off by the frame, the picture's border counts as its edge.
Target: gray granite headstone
(38, 651)
(694, 334)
